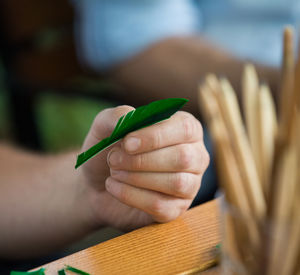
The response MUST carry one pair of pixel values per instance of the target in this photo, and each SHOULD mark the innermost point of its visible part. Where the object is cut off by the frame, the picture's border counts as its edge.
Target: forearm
(174, 68)
(40, 203)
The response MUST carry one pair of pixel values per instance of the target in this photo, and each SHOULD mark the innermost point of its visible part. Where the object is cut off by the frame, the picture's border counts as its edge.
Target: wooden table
(184, 246)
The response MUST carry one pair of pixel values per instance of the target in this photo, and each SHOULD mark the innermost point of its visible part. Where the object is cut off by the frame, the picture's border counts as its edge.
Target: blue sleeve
(111, 31)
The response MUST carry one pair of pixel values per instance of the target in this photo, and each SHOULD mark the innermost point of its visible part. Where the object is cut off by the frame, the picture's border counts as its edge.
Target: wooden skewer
(291, 94)
(286, 178)
(293, 240)
(295, 237)
(215, 86)
(233, 183)
(230, 245)
(250, 88)
(297, 79)
(207, 104)
(242, 150)
(267, 129)
(283, 205)
(286, 92)
(298, 150)
(287, 109)
(287, 84)
(213, 83)
(246, 174)
(228, 167)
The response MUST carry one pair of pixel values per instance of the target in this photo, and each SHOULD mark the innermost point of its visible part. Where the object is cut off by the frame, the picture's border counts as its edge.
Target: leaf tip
(80, 160)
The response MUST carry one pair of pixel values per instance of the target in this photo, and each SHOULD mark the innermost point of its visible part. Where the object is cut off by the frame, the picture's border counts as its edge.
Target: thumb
(104, 124)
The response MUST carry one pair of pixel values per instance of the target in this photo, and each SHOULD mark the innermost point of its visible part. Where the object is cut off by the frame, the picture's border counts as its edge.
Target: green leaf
(134, 120)
(61, 272)
(41, 271)
(75, 270)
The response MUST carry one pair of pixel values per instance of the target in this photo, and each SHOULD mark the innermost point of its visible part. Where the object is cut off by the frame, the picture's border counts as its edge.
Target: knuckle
(169, 215)
(159, 210)
(157, 206)
(181, 184)
(164, 214)
(184, 206)
(192, 127)
(185, 156)
(195, 187)
(205, 158)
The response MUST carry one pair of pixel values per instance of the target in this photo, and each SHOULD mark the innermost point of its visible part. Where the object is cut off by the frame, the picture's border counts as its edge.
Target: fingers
(181, 185)
(191, 157)
(105, 122)
(161, 207)
(96, 169)
(182, 127)
(156, 169)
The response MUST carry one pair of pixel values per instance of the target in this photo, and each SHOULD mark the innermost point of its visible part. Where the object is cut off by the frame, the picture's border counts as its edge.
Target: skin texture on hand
(46, 204)
(153, 174)
(43, 204)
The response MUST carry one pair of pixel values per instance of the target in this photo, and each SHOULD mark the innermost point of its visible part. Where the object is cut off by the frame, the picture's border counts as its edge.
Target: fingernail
(132, 144)
(115, 158)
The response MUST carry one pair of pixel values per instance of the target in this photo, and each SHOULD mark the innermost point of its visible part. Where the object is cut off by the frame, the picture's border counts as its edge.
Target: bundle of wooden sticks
(258, 162)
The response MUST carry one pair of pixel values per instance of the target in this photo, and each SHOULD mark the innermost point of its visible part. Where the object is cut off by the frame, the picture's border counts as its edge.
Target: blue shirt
(111, 31)
(251, 29)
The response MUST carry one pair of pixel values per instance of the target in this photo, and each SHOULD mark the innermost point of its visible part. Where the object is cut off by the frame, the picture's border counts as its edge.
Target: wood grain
(182, 246)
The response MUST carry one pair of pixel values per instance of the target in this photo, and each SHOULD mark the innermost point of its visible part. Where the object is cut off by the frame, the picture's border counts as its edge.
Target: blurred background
(55, 55)
(47, 102)
(52, 85)
(62, 121)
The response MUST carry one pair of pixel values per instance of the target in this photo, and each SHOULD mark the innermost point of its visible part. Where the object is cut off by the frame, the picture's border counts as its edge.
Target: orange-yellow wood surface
(183, 246)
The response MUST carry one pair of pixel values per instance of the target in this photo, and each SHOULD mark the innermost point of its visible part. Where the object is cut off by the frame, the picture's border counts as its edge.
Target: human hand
(155, 182)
